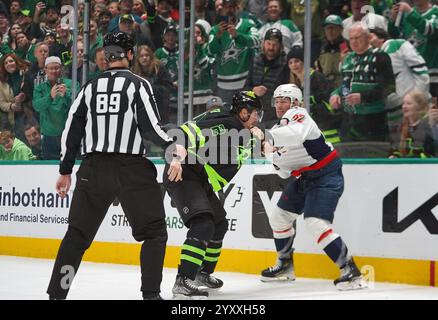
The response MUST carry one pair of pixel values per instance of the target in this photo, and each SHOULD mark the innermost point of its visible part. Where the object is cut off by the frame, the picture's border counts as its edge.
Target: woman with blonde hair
(416, 139)
(147, 66)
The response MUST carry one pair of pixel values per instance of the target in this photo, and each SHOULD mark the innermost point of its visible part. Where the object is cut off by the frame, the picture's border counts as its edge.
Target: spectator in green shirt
(12, 149)
(52, 99)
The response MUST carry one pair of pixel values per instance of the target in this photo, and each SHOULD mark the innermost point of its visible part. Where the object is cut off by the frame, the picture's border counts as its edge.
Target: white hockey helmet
(290, 91)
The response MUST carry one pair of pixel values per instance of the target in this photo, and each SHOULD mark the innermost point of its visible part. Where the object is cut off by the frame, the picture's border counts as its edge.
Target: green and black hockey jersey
(218, 143)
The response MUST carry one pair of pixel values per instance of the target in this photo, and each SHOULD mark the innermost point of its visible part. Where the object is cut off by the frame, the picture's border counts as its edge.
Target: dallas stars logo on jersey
(231, 53)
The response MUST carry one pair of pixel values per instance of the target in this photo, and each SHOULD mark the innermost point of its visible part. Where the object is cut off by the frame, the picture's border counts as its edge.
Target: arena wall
(388, 217)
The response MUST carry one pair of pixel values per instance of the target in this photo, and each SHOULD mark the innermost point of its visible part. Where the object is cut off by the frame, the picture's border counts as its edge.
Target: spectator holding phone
(52, 99)
(232, 42)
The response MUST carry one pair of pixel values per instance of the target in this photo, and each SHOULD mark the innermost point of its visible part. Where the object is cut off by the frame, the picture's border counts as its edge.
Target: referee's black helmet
(117, 44)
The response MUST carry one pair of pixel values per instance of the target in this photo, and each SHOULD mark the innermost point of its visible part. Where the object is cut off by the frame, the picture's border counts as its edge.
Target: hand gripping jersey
(302, 146)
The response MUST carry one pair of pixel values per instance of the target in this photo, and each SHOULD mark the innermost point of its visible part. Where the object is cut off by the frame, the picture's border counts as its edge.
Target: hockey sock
(192, 256)
(337, 251)
(212, 256)
(284, 247)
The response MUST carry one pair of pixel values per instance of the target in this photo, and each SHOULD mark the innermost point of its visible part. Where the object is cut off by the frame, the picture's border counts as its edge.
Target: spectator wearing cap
(265, 73)
(334, 47)
(168, 54)
(130, 26)
(13, 149)
(125, 9)
(328, 119)
(233, 42)
(52, 99)
(62, 47)
(362, 14)
(291, 34)
(25, 19)
(410, 70)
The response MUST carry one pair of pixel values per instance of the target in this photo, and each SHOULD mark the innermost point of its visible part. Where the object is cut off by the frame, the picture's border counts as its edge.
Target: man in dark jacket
(265, 74)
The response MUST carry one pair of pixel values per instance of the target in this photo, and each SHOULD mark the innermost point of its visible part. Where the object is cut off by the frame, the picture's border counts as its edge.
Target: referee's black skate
(204, 279)
(184, 288)
(351, 278)
(282, 271)
(153, 296)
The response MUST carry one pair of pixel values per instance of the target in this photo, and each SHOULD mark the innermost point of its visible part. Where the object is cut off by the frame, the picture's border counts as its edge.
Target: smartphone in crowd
(225, 19)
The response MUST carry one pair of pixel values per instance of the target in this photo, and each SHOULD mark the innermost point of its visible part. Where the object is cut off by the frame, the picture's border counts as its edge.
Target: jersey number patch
(108, 103)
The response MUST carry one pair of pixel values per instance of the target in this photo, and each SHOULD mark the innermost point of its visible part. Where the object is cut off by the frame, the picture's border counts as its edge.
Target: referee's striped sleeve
(148, 118)
(73, 132)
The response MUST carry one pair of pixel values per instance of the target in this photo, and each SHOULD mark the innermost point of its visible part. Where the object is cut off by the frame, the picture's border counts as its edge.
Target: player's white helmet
(290, 91)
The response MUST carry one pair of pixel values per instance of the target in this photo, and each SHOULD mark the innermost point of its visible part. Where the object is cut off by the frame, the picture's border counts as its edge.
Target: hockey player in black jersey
(211, 163)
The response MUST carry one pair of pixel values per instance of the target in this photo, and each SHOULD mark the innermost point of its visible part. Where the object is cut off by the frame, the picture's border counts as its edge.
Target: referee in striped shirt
(109, 120)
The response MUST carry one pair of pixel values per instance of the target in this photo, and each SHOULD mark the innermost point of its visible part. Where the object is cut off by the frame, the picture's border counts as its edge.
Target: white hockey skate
(351, 278)
(282, 271)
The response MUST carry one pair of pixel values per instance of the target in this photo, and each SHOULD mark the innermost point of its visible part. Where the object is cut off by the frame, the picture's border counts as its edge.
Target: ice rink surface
(27, 279)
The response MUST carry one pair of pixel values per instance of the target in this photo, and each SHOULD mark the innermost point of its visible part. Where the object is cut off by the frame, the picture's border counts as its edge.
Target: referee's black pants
(100, 179)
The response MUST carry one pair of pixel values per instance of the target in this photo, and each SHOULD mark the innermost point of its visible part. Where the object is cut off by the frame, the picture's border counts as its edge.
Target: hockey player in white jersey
(298, 148)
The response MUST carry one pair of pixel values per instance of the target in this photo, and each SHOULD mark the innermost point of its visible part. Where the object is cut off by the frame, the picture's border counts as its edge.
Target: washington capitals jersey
(299, 141)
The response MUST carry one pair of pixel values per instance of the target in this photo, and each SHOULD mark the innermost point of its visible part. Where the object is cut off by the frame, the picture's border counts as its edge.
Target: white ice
(26, 278)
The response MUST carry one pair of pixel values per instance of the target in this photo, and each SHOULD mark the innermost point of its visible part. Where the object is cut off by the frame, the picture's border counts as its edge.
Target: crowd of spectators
(373, 81)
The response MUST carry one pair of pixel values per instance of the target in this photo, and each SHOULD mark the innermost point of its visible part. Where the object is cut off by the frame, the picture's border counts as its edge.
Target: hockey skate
(185, 289)
(351, 278)
(282, 271)
(203, 279)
